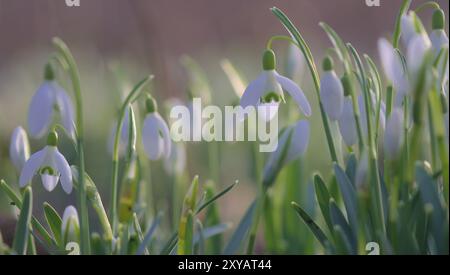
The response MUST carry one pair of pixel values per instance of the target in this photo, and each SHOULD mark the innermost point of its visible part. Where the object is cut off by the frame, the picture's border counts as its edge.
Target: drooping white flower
(50, 164)
(50, 99)
(331, 91)
(155, 133)
(347, 124)
(19, 148)
(70, 226)
(393, 137)
(124, 134)
(361, 175)
(176, 162)
(295, 63)
(267, 90)
(416, 41)
(296, 137)
(438, 36)
(393, 67)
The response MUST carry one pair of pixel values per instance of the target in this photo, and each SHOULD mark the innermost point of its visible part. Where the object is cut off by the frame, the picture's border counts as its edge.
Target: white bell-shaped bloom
(51, 165)
(19, 148)
(155, 133)
(176, 162)
(124, 135)
(417, 49)
(408, 28)
(70, 226)
(393, 137)
(393, 67)
(439, 40)
(438, 36)
(347, 124)
(416, 41)
(331, 91)
(267, 90)
(298, 144)
(295, 63)
(50, 99)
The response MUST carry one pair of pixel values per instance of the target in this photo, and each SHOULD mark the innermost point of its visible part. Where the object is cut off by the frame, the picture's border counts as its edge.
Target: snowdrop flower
(49, 99)
(124, 135)
(295, 63)
(331, 91)
(393, 137)
(267, 90)
(417, 41)
(50, 164)
(347, 125)
(298, 135)
(393, 68)
(70, 226)
(155, 133)
(19, 148)
(438, 37)
(176, 162)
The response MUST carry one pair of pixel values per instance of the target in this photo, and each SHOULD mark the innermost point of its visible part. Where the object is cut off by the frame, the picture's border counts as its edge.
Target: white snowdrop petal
(417, 49)
(347, 124)
(332, 95)
(152, 141)
(31, 167)
(408, 29)
(41, 110)
(254, 91)
(165, 133)
(438, 40)
(299, 142)
(63, 169)
(66, 110)
(19, 148)
(49, 181)
(296, 93)
(393, 138)
(69, 213)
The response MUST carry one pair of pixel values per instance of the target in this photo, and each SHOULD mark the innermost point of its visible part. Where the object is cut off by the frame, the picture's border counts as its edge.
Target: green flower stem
(397, 29)
(429, 4)
(82, 205)
(134, 94)
(301, 44)
(372, 148)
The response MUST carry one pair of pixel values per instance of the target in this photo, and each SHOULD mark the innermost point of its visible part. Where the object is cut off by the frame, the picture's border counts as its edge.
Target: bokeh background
(139, 37)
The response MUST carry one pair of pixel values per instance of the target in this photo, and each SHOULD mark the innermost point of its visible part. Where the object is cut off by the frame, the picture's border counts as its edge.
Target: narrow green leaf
(318, 233)
(350, 168)
(338, 219)
(149, 235)
(337, 42)
(216, 197)
(349, 196)
(23, 224)
(342, 243)
(54, 222)
(241, 231)
(189, 235)
(323, 198)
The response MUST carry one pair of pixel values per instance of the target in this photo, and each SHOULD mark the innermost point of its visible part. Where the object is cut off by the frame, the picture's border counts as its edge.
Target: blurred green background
(142, 37)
